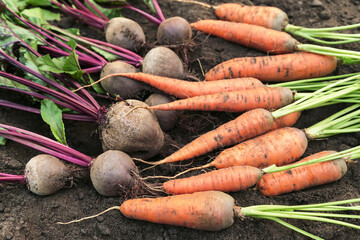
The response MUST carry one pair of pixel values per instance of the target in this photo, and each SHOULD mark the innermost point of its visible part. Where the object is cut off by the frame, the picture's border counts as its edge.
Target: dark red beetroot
(167, 119)
(121, 86)
(174, 30)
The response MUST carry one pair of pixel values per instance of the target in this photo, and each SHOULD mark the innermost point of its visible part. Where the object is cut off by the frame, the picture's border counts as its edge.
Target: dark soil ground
(24, 215)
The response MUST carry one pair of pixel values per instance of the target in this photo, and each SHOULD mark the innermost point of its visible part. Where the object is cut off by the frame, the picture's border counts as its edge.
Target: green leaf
(52, 115)
(109, 12)
(15, 5)
(3, 139)
(109, 56)
(40, 16)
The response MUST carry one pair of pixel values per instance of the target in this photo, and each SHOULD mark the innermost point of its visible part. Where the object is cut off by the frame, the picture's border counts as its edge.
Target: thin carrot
(261, 38)
(302, 177)
(248, 125)
(281, 146)
(285, 67)
(230, 179)
(237, 101)
(185, 89)
(269, 17)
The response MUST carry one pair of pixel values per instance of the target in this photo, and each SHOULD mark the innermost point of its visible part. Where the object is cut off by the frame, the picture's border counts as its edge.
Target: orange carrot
(185, 89)
(280, 147)
(211, 211)
(230, 179)
(285, 67)
(269, 17)
(285, 121)
(238, 101)
(303, 177)
(261, 38)
(248, 125)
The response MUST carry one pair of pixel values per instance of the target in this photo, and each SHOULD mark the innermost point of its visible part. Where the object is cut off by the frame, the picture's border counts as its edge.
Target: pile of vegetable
(140, 102)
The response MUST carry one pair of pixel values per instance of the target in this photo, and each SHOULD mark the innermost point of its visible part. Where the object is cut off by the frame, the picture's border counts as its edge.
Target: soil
(24, 215)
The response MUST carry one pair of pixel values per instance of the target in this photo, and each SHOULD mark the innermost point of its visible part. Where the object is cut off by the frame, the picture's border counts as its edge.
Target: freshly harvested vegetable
(275, 18)
(214, 211)
(263, 39)
(125, 33)
(167, 119)
(231, 179)
(303, 177)
(235, 101)
(112, 173)
(118, 85)
(280, 147)
(279, 68)
(45, 174)
(162, 61)
(174, 30)
(137, 133)
(186, 89)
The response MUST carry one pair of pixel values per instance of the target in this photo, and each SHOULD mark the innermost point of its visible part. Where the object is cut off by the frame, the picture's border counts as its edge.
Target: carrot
(230, 179)
(286, 67)
(303, 177)
(264, 39)
(237, 101)
(280, 147)
(248, 125)
(214, 211)
(285, 121)
(185, 89)
(269, 17)
(211, 211)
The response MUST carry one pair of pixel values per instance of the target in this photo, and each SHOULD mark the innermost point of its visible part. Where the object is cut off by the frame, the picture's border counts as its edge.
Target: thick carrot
(285, 121)
(261, 38)
(248, 125)
(185, 89)
(211, 211)
(281, 146)
(269, 17)
(230, 179)
(237, 101)
(285, 67)
(303, 177)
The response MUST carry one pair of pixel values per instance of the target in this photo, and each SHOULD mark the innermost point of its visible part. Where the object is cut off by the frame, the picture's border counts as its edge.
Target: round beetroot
(136, 132)
(167, 119)
(164, 62)
(125, 33)
(122, 86)
(111, 173)
(174, 30)
(45, 174)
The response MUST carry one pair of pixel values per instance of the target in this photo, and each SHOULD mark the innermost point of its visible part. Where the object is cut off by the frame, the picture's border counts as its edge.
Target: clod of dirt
(136, 132)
